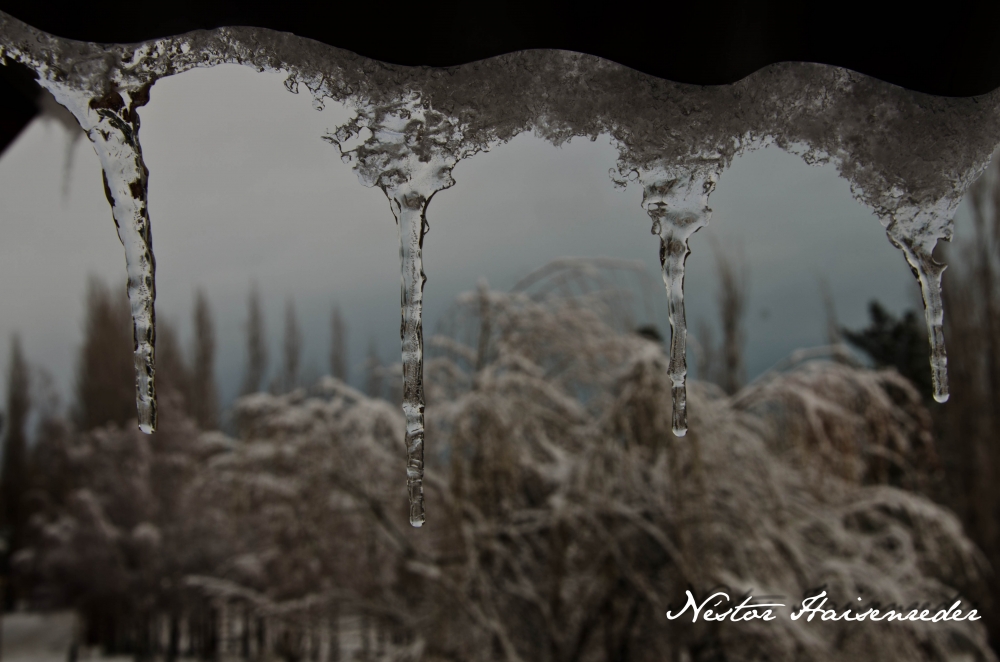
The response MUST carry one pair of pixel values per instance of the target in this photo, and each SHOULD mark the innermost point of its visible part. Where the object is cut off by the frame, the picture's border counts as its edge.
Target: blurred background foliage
(565, 516)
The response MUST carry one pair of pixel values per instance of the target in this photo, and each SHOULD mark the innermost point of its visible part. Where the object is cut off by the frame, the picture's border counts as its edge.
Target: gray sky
(241, 187)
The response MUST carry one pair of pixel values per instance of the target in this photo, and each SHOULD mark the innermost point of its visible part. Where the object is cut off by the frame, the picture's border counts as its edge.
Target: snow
(37, 637)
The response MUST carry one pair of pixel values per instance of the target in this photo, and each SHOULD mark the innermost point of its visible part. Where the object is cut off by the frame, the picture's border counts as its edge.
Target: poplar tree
(13, 475)
(204, 398)
(338, 345)
(256, 344)
(292, 347)
(105, 384)
(373, 368)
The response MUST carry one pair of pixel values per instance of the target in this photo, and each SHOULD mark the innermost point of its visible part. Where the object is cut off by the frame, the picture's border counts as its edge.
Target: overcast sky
(241, 188)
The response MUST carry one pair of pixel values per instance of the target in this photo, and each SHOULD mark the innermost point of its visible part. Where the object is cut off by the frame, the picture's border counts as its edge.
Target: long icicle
(112, 124)
(410, 209)
(409, 154)
(675, 219)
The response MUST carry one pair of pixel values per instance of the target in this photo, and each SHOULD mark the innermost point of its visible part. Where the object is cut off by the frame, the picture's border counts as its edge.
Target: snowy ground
(37, 637)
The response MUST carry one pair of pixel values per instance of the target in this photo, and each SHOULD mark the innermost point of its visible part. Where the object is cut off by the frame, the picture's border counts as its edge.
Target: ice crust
(909, 156)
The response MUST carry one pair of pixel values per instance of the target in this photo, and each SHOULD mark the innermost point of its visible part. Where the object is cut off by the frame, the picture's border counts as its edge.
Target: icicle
(112, 124)
(410, 209)
(409, 206)
(917, 240)
(409, 152)
(678, 207)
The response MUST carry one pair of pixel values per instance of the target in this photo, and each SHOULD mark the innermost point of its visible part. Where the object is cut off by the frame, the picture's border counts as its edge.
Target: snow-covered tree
(564, 517)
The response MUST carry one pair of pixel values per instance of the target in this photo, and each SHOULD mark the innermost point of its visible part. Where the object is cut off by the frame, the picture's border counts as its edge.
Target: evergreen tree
(13, 475)
(204, 398)
(650, 332)
(256, 344)
(892, 342)
(106, 368)
(292, 348)
(373, 370)
(171, 369)
(338, 345)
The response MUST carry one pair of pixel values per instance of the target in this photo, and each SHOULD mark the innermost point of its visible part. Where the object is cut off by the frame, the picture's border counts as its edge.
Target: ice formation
(111, 121)
(677, 203)
(409, 155)
(909, 156)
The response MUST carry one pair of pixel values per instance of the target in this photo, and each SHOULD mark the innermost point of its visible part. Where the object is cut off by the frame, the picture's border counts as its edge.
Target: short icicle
(111, 122)
(678, 208)
(918, 251)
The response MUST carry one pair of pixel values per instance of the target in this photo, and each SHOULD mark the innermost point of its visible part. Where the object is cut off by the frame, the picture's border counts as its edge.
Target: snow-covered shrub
(566, 519)
(114, 533)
